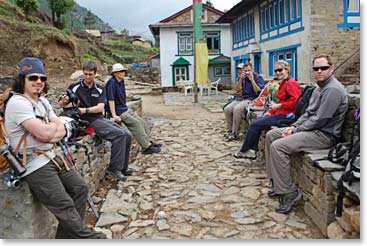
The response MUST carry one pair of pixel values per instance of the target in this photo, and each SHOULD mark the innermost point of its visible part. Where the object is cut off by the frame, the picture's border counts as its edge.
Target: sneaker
(151, 150)
(128, 172)
(227, 134)
(116, 174)
(233, 136)
(249, 154)
(239, 155)
(288, 200)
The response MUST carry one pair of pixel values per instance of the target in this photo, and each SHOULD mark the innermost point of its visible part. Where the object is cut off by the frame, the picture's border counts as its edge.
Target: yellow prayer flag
(201, 56)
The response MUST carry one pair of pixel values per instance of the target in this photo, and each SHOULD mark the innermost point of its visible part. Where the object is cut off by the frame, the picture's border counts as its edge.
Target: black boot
(288, 200)
(271, 192)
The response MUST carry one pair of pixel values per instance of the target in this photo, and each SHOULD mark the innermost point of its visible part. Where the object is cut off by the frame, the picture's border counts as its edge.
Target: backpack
(351, 159)
(3, 134)
(301, 106)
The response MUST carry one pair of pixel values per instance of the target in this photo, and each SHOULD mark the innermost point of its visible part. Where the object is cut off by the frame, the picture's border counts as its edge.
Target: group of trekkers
(319, 127)
(30, 119)
(31, 123)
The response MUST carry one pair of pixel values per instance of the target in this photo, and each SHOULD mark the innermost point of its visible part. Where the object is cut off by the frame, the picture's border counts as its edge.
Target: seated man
(91, 105)
(30, 120)
(249, 85)
(318, 128)
(118, 110)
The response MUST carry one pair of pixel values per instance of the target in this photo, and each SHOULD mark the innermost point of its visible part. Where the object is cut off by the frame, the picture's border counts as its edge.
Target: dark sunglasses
(35, 78)
(278, 70)
(323, 68)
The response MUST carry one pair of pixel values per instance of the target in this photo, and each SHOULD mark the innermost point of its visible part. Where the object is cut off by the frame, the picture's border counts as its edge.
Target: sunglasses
(278, 70)
(35, 78)
(323, 68)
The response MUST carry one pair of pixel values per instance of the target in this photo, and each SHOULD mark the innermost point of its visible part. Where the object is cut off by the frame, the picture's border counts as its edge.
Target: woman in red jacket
(288, 93)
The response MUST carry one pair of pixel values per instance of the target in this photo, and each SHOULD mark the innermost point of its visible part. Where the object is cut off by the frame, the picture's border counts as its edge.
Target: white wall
(169, 50)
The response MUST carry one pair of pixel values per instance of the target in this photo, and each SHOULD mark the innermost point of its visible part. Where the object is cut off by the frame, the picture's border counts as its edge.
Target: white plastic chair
(214, 85)
(188, 86)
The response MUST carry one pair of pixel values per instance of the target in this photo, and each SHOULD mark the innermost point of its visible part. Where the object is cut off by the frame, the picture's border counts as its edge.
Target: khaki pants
(138, 127)
(278, 150)
(235, 113)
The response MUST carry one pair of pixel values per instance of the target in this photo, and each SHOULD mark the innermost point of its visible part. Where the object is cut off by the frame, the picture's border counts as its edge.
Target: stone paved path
(195, 189)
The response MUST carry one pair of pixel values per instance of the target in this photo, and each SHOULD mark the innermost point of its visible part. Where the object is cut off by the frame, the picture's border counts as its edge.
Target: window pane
(291, 9)
(281, 57)
(353, 6)
(288, 55)
(298, 2)
(218, 71)
(226, 70)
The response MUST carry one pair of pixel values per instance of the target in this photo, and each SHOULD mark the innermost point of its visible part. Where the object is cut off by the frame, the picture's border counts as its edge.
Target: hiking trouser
(254, 131)
(120, 139)
(65, 194)
(278, 150)
(235, 113)
(138, 127)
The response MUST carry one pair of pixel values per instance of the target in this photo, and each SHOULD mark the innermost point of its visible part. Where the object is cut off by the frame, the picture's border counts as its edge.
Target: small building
(220, 67)
(107, 35)
(155, 61)
(94, 33)
(142, 42)
(174, 35)
(295, 30)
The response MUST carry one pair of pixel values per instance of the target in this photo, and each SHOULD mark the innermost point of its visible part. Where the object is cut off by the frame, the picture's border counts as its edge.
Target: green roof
(181, 62)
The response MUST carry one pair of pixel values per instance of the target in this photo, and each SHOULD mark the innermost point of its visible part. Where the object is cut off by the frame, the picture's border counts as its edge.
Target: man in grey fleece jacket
(318, 128)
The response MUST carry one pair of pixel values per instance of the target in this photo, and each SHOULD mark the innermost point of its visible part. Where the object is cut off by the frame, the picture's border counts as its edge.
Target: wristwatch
(86, 110)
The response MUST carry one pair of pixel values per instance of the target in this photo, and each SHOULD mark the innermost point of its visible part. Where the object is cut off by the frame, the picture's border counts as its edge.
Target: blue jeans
(253, 133)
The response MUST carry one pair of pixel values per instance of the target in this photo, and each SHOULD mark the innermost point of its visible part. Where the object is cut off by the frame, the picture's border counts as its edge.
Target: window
(351, 14)
(244, 28)
(222, 71)
(180, 73)
(287, 54)
(277, 14)
(185, 43)
(213, 42)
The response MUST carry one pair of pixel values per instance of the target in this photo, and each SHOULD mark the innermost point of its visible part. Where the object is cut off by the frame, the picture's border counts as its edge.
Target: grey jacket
(327, 109)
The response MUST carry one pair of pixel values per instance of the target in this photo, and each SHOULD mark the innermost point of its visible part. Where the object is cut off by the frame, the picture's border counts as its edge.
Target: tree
(27, 5)
(59, 8)
(209, 3)
(89, 19)
(125, 32)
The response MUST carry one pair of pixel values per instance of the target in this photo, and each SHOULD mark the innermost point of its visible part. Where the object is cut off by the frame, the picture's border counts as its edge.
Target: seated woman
(288, 93)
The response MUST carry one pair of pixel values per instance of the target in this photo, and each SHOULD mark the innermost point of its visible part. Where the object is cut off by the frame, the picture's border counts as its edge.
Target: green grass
(108, 59)
(88, 57)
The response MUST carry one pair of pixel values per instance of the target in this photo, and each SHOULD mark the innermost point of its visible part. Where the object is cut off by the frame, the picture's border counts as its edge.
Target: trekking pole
(65, 148)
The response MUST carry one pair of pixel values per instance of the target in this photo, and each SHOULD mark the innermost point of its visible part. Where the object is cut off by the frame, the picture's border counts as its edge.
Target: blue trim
(282, 35)
(243, 28)
(273, 56)
(346, 24)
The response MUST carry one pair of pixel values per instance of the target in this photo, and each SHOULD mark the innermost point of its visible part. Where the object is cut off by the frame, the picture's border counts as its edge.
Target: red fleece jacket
(293, 90)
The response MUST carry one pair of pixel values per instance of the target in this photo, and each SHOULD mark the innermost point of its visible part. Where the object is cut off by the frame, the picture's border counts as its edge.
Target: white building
(174, 35)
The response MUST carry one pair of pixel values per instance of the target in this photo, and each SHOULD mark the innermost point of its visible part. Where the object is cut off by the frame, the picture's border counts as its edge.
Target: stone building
(295, 30)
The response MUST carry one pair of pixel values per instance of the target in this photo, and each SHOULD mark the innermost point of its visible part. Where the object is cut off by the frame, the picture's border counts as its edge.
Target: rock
(252, 193)
(277, 216)
(105, 231)
(207, 187)
(334, 231)
(141, 223)
(296, 224)
(186, 216)
(162, 225)
(117, 228)
(248, 221)
(208, 215)
(161, 215)
(110, 218)
(182, 229)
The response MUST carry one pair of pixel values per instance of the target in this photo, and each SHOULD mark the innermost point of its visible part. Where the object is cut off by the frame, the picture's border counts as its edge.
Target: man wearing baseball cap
(118, 110)
(31, 121)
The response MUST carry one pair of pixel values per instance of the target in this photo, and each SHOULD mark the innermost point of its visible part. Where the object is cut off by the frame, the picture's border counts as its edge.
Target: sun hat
(117, 68)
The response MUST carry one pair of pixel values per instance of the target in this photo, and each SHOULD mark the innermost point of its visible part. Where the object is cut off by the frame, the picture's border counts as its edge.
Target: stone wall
(23, 217)
(148, 75)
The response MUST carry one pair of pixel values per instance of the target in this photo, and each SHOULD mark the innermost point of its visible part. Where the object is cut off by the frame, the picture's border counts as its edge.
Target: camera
(11, 180)
(247, 73)
(73, 99)
(12, 160)
(73, 127)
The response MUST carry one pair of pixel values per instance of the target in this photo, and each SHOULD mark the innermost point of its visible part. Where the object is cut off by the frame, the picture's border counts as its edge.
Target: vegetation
(209, 3)
(88, 57)
(59, 8)
(27, 5)
(89, 20)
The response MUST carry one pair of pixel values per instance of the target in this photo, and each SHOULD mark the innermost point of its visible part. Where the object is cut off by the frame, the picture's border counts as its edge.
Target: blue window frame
(244, 30)
(288, 54)
(279, 18)
(352, 18)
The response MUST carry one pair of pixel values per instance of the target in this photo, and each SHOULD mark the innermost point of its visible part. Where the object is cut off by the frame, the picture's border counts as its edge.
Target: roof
(157, 56)
(207, 7)
(237, 11)
(219, 60)
(95, 33)
(181, 62)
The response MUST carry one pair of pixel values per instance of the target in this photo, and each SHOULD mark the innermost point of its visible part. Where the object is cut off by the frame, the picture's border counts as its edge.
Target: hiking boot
(151, 150)
(156, 144)
(233, 137)
(116, 174)
(239, 155)
(271, 192)
(128, 172)
(288, 200)
(98, 235)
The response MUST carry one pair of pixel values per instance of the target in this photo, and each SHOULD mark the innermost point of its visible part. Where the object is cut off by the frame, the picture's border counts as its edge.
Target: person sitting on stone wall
(58, 186)
(118, 110)
(318, 128)
(249, 86)
(92, 99)
(287, 94)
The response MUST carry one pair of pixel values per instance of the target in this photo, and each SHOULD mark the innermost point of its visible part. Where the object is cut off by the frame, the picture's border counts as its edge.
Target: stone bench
(23, 217)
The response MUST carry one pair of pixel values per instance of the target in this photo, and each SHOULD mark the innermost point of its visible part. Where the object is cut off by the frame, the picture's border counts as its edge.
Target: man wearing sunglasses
(318, 128)
(29, 118)
(92, 99)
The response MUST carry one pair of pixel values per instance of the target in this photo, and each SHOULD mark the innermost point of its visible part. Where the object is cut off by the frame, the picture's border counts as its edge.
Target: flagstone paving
(196, 189)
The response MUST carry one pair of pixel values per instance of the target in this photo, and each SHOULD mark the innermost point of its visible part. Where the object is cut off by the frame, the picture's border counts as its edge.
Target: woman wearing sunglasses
(288, 93)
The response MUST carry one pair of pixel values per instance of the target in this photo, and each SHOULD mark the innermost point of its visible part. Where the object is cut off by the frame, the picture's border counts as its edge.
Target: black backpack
(352, 165)
(301, 105)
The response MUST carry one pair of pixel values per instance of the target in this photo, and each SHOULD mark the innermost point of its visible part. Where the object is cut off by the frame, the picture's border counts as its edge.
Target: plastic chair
(214, 85)
(188, 86)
